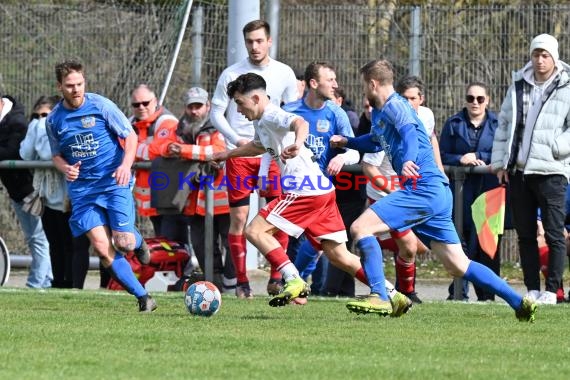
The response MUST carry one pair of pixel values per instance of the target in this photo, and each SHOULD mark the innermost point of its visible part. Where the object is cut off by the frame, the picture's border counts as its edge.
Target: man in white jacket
(531, 151)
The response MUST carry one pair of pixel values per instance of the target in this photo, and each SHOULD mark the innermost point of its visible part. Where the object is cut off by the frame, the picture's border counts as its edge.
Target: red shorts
(318, 216)
(242, 174)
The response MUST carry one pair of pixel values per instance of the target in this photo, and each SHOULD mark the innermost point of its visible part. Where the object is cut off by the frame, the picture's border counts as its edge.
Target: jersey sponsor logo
(316, 144)
(88, 121)
(323, 126)
(85, 146)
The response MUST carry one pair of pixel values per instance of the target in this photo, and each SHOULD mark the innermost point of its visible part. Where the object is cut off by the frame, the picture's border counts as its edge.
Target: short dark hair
(255, 25)
(246, 83)
(312, 70)
(410, 81)
(63, 69)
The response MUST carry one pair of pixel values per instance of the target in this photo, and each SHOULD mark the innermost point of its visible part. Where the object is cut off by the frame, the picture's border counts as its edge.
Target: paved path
(432, 290)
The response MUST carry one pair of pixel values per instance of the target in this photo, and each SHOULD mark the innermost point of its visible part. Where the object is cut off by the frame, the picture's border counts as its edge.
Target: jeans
(40, 275)
(547, 192)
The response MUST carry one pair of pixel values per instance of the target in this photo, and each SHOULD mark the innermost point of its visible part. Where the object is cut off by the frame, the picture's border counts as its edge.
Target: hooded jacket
(550, 141)
(13, 127)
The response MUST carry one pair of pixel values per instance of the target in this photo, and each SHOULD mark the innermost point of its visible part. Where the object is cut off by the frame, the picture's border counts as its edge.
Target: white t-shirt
(427, 118)
(299, 175)
(281, 88)
(383, 163)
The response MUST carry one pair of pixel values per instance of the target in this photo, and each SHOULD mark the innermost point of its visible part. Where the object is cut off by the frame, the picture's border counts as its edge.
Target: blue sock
(484, 277)
(138, 238)
(306, 259)
(371, 259)
(121, 271)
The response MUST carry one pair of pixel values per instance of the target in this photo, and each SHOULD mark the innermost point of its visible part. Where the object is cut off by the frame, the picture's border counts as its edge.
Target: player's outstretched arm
(363, 143)
(251, 149)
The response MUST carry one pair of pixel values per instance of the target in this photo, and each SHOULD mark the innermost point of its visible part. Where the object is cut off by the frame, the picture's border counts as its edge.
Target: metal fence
(126, 42)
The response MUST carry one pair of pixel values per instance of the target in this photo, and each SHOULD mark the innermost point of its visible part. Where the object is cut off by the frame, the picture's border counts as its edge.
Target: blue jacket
(454, 142)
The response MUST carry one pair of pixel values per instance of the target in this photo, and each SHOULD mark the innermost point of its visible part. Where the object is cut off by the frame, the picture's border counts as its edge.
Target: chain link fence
(124, 43)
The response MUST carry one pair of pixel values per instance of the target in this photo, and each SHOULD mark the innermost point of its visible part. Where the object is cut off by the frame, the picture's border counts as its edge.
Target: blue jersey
(89, 134)
(323, 123)
(386, 131)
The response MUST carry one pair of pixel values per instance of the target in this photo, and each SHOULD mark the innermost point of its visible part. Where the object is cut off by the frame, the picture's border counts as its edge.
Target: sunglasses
(138, 104)
(36, 115)
(471, 98)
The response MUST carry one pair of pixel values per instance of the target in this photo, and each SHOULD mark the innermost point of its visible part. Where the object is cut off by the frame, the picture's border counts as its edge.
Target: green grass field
(58, 334)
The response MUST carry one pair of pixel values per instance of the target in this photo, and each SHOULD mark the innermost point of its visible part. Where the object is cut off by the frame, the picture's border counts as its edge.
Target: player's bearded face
(72, 89)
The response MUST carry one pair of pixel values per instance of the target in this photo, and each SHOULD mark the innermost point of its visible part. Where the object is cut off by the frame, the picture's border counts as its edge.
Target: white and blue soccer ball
(203, 298)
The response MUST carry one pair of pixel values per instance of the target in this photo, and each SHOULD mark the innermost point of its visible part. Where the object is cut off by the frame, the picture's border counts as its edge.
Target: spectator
(530, 151)
(467, 140)
(424, 202)
(282, 88)
(94, 145)
(196, 139)
(69, 255)
(148, 116)
(301, 84)
(19, 184)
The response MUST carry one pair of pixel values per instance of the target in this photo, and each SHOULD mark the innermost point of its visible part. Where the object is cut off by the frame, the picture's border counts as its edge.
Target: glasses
(36, 115)
(471, 98)
(138, 104)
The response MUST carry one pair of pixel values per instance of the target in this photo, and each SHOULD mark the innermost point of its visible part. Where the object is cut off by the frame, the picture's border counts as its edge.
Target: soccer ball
(203, 298)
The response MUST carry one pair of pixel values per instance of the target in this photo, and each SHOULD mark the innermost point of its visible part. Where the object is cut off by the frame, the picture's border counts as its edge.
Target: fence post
(458, 175)
(209, 235)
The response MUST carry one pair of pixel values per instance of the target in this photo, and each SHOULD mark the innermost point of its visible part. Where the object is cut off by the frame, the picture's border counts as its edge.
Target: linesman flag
(488, 212)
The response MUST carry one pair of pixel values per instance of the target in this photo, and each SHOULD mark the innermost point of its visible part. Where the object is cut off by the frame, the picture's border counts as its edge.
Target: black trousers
(69, 255)
(528, 194)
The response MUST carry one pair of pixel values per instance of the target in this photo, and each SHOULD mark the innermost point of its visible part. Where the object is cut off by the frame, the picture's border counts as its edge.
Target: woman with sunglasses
(69, 256)
(467, 140)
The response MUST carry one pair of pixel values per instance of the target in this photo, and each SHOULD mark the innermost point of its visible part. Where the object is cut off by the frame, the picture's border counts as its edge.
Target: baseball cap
(196, 95)
(545, 42)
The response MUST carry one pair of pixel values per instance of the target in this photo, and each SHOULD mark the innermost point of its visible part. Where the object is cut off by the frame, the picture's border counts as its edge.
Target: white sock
(390, 289)
(289, 272)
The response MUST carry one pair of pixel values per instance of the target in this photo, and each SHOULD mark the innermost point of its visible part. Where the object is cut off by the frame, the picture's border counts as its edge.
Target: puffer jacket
(550, 142)
(13, 127)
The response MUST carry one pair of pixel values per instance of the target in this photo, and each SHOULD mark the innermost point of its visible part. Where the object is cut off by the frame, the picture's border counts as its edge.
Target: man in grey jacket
(531, 151)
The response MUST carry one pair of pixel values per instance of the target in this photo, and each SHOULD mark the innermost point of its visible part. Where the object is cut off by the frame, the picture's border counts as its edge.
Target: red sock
(406, 273)
(389, 244)
(283, 240)
(543, 259)
(361, 276)
(238, 252)
(277, 258)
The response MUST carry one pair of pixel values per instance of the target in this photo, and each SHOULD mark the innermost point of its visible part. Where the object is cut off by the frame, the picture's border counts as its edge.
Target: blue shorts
(425, 209)
(113, 207)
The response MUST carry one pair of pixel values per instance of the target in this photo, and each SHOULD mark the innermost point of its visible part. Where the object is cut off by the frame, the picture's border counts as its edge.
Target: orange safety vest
(207, 142)
(146, 132)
